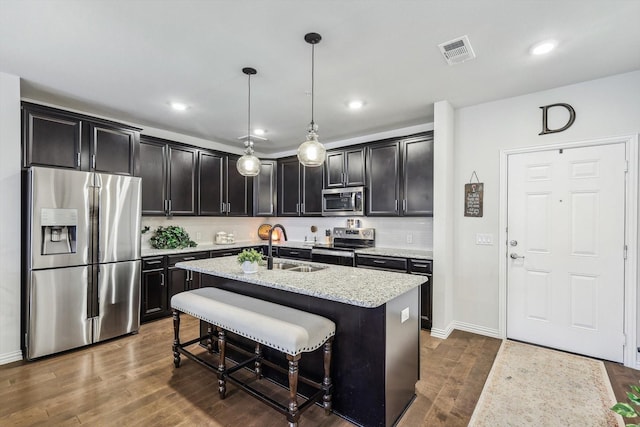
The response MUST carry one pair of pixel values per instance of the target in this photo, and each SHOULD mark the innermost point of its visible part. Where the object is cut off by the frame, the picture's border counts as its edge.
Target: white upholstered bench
(286, 329)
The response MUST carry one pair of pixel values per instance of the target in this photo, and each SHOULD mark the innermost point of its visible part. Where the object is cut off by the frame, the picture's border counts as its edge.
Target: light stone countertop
(355, 286)
(147, 252)
(397, 252)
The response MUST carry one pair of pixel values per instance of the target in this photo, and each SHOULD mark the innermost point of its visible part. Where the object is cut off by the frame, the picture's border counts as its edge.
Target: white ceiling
(127, 59)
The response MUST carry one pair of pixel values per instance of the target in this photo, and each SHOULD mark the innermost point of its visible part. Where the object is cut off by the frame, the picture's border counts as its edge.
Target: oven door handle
(342, 254)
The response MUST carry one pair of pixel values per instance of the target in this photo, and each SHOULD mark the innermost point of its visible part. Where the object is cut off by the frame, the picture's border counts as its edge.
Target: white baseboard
(467, 327)
(475, 329)
(442, 333)
(14, 356)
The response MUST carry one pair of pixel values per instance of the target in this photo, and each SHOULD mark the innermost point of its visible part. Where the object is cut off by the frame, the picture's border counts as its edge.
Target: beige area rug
(534, 386)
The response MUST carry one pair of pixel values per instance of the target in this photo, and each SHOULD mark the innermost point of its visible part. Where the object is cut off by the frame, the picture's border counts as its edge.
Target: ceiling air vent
(457, 50)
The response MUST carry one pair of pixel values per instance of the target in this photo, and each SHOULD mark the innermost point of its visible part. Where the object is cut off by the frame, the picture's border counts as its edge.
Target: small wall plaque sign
(473, 197)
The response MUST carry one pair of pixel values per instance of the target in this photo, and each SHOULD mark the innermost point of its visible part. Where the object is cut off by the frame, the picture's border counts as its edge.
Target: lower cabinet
(154, 303)
(412, 266)
(293, 253)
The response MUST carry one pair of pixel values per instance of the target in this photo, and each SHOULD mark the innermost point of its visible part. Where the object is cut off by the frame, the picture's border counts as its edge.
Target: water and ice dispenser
(59, 228)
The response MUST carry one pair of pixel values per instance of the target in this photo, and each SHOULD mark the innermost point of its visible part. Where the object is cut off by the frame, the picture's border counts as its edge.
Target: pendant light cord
(249, 115)
(313, 67)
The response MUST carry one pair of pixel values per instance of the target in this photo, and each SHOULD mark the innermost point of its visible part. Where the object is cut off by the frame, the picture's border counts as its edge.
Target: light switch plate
(404, 315)
(484, 239)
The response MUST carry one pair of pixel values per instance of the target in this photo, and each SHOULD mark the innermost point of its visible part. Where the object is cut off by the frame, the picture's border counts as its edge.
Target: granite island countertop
(355, 286)
(147, 252)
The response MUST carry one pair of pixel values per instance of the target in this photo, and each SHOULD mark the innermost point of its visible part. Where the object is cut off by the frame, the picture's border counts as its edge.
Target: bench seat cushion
(283, 328)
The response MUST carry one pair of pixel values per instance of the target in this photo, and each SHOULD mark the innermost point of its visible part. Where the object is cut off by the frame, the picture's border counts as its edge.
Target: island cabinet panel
(58, 138)
(154, 303)
(345, 168)
(264, 189)
(374, 362)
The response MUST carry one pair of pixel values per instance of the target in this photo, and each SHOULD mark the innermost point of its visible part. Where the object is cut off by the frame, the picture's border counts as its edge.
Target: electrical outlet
(484, 239)
(409, 238)
(404, 315)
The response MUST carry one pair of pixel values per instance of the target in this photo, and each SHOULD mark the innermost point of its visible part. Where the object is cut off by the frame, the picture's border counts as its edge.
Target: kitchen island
(376, 350)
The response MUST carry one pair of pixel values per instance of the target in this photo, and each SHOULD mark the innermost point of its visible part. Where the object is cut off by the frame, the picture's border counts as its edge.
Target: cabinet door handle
(228, 207)
(404, 204)
(294, 253)
(161, 279)
(301, 207)
(223, 207)
(169, 203)
(153, 262)
(377, 261)
(93, 161)
(396, 205)
(78, 158)
(227, 254)
(297, 207)
(420, 265)
(188, 258)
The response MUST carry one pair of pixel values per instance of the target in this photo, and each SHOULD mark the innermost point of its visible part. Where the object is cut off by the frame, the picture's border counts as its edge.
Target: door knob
(513, 242)
(514, 255)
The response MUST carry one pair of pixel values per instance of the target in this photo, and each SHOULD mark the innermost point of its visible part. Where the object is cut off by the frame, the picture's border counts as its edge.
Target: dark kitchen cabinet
(383, 179)
(168, 172)
(222, 190)
(53, 137)
(154, 302)
(294, 253)
(417, 176)
(400, 177)
(264, 189)
(345, 168)
(180, 280)
(299, 189)
(424, 268)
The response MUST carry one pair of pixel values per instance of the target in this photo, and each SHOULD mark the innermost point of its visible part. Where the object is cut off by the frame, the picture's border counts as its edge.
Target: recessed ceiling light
(543, 47)
(178, 106)
(356, 104)
(259, 131)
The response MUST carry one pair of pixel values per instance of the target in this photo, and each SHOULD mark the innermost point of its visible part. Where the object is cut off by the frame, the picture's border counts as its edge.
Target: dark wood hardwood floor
(131, 381)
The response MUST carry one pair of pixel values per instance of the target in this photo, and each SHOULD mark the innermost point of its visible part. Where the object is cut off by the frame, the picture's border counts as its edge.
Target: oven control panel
(354, 233)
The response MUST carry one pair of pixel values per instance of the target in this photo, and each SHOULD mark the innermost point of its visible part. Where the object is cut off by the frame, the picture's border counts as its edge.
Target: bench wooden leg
(176, 338)
(222, 364)
(258, 362)
(211, 343)
(326, 382)
(293, 413)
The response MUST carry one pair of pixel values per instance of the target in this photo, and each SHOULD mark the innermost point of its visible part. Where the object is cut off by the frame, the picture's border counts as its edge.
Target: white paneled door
(565, 248)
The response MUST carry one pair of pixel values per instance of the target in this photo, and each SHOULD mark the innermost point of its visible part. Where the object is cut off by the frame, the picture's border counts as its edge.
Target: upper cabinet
(299, 189)
(53, 137)
(264, 189)
(222, 190)
(400, 177)
(345, 168)
(168, 172)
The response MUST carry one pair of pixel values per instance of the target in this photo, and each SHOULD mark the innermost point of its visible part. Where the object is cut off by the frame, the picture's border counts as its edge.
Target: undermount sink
(296, 267)
(306, 268)
(283, 265)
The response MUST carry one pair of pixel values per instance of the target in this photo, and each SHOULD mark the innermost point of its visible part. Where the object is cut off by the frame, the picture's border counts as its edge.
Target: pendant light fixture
(311, 153)
(248, 165)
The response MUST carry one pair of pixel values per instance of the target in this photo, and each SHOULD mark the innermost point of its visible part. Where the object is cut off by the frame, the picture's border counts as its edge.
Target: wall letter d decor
(545, 109)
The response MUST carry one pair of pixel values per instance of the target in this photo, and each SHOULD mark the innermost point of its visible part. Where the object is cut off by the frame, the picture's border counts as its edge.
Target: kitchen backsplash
(407, 232)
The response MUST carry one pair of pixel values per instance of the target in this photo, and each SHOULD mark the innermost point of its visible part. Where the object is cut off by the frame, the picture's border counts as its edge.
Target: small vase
(249, 267)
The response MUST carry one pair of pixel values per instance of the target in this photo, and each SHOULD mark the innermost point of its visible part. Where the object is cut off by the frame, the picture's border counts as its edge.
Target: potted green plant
(249, 260)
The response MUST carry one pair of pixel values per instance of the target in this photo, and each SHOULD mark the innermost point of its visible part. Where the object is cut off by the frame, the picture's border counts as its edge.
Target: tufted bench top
(283, 328)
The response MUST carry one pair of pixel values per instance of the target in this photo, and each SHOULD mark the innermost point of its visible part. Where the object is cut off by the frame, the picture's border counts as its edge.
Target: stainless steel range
(345, 243)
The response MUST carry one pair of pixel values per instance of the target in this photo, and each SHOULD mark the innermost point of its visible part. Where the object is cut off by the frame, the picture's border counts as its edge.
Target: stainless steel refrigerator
(82, 259)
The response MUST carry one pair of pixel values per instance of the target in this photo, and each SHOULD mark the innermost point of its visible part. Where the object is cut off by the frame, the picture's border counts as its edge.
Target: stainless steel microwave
(343, 201)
